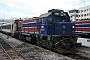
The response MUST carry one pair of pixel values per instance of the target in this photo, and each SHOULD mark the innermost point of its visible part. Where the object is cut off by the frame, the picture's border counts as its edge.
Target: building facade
(73, 15)
(82, 13)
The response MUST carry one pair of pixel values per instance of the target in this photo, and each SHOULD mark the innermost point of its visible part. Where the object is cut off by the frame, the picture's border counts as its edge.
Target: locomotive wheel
(49, 46)
(61, 50)
(38, 42)
(19, 37)
(23, 38)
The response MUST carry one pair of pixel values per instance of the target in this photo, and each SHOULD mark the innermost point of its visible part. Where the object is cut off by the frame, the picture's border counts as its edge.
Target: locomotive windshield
(59, 18)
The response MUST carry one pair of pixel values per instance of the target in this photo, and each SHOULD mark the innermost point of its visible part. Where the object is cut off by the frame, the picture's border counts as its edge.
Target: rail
(6, 52)
(16, 55)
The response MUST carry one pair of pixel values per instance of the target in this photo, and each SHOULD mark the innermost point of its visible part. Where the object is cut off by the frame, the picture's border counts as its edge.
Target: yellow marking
(58, 42)
(40, 37)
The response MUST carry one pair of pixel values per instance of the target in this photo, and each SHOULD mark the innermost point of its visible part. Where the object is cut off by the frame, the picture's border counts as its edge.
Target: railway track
(83, 53)
(76, 56)
(9, 53)
(32, 52)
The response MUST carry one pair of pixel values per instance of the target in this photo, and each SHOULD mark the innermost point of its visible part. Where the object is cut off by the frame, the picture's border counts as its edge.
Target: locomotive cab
(54, 23)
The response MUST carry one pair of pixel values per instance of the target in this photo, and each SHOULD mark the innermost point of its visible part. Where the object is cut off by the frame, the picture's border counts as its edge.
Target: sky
(34, 8)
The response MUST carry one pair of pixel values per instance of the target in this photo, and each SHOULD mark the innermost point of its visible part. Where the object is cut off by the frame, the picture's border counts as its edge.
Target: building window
(78, 11)
(84, 14)
(76, 15)
(81, 10)
(79, 15)
(84, 10)
(87, 14)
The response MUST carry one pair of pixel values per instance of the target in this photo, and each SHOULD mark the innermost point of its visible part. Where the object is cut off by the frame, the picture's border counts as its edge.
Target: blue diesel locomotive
(56, 31)
(52, 30)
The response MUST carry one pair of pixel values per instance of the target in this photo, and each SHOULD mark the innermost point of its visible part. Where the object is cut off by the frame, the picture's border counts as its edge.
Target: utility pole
(84, 9)
(84, 3)
(73, 4)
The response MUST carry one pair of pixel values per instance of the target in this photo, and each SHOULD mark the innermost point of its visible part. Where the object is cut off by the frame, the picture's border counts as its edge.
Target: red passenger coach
(83, 27)
(30, 25)
(27, 29)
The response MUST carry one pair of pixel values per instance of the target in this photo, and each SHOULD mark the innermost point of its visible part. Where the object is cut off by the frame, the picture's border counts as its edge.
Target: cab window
(49, 20)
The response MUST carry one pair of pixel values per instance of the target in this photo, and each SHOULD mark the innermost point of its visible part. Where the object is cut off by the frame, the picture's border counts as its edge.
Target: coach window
(42, 21)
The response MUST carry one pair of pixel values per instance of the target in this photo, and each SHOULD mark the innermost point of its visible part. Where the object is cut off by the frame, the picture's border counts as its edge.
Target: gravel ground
(32, 52)
(84, 52)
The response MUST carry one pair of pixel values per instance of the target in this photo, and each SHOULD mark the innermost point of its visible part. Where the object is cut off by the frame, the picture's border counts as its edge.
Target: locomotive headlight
(42, 26)
(73, 26)
(64, 26)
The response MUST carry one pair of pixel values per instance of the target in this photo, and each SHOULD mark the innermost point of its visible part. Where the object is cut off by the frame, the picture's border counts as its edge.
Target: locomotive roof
(45, 15)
